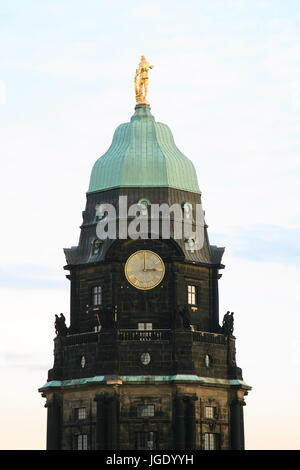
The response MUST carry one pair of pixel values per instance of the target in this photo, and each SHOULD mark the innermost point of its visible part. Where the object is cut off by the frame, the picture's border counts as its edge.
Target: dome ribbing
(143, 153)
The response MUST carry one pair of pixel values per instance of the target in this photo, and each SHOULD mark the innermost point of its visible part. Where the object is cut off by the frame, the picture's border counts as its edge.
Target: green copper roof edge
(144, 378)
(138, 186)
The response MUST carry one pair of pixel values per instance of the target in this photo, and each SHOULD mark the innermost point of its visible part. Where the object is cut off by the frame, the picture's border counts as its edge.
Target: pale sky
(227, 82)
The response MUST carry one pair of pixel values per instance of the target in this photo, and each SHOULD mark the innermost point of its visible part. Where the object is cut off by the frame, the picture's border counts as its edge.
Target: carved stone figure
(106, 316)
(182, 318)
(60, 325)
(227, 326)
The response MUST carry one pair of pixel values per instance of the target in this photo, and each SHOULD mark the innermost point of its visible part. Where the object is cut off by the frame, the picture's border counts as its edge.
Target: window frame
(148, 410)
(192, 294)
(145, 326)
(79, 411)
(96, 295)
(82, 442)
(211, 441)
(213, 412)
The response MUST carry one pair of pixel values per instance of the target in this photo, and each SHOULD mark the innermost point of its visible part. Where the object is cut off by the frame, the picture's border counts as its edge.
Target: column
(237, 424)
(53, 424)
(112, 422)
(179, 424)
(191, 424)
(100, 423)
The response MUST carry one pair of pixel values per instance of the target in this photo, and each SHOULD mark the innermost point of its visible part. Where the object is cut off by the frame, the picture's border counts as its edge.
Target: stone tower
(144, 363)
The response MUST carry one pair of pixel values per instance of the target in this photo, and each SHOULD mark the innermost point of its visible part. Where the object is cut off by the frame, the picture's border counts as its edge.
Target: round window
(145, 359)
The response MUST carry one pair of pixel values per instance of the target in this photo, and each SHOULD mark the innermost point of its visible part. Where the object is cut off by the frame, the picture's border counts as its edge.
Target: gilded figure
(141, 81)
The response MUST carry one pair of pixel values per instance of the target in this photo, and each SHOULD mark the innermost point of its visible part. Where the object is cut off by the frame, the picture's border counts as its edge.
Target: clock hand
(144, 262)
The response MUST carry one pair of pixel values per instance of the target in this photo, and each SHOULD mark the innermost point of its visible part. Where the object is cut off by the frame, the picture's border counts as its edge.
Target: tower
(144, 363)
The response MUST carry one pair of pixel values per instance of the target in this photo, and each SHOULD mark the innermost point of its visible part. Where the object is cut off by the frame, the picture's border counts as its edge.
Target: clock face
(144, 269)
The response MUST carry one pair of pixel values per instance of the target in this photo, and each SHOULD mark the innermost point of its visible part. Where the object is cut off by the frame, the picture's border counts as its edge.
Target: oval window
(83, 361)
(207, 360)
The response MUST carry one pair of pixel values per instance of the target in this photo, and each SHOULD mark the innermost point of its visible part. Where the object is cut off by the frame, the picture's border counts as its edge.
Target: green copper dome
(143, 153)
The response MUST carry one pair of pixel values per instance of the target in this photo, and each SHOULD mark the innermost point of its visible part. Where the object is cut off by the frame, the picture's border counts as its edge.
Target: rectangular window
(97, 295)
(145, 326)
(82, 442)
(145, 440)
(192, 295)
(81, 413)
(209, 412)
(145, 410)
(211, 441)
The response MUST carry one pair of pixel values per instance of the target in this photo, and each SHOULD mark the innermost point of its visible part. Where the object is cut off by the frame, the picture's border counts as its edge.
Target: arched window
(96, 245)
(187, 209)
(190, 244)
(144, 204)
(98, 214)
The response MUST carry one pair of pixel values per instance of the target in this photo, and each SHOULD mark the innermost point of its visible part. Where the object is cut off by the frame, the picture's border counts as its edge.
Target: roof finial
(141, 80)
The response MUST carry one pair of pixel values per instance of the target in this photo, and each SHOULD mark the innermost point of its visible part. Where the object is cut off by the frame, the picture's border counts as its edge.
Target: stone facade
(112, 419)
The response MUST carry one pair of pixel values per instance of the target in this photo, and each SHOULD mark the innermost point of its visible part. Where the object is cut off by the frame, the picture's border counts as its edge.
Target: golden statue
(141, 80)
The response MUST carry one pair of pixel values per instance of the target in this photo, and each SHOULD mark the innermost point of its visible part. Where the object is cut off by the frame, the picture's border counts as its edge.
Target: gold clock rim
(145, 288)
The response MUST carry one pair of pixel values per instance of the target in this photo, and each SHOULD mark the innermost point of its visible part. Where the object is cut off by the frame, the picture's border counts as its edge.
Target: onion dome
(143, 154)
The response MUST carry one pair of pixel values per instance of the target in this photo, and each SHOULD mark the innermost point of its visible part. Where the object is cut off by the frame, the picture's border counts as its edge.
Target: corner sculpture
(182, 318)
(141, 81)
(106, 315)
(60, 325)
(227, 326)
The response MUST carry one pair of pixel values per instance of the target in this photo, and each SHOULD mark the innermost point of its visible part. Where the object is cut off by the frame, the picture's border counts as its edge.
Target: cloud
(26, 276)
(282, 49)
(2, 92)
(262, 243)
(22, 361)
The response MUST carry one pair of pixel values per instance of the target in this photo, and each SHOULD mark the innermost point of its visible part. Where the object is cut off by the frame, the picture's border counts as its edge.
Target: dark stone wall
(119, 352)
(133, 305)
(182, 336)
(179, 421)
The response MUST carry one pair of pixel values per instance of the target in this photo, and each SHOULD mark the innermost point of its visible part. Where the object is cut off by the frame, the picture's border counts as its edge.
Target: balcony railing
(81, 338)
(205, 337)
(144, 335)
